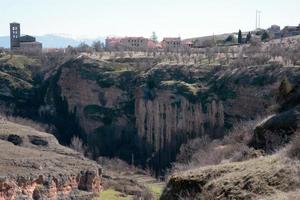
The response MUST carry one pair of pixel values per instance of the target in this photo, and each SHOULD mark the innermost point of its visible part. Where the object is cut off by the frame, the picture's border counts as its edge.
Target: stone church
(24, 43)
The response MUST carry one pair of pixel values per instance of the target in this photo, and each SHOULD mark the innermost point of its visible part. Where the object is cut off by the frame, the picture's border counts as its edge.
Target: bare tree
(97, 46)
(78, 145)
(210, 54)
(83, 47)
(293, 54)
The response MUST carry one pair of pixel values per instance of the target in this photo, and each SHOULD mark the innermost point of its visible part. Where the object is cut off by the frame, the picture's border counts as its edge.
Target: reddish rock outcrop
(43, 170)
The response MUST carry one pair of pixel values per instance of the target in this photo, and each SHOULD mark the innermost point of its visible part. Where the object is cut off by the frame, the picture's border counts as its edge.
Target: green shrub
(105, 80)
(285, 87)
(106, 115)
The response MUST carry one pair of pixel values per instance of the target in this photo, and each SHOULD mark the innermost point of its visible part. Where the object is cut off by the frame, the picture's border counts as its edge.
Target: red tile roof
(172, 39)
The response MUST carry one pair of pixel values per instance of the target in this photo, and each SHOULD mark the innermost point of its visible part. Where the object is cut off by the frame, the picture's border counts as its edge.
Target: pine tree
(240, 37)
(265, 36)
(285, 87)
(248, 38)
(154, 37)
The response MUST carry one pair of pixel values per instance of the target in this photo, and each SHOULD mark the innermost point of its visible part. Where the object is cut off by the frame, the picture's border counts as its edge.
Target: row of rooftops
(118, 39)
(176, 41)
(173, 42)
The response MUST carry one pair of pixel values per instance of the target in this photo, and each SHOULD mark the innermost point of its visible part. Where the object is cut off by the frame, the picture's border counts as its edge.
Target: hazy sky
(187, 18)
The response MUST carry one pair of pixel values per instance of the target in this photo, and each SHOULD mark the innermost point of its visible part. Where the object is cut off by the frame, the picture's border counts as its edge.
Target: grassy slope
(111, 194)
(122, 181)
(14, 71)
(257, 178)
(153, 185)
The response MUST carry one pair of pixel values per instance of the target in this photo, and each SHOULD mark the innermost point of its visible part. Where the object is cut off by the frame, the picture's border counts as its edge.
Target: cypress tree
(240, 37)
(248, 38)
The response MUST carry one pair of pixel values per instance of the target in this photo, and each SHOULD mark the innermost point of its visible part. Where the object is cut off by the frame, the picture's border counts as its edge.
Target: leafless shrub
(246, 153)
(275, 50)
(241, 132)
(204, 151)
(293, 55)
(98, 46)
(210, 54)
(114, 164)
(78, 145)
(84, 48)
(198, 152)
(187, 150)
(245, 61)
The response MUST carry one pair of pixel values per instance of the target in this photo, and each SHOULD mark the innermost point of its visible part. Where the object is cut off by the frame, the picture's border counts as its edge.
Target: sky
(168, 18)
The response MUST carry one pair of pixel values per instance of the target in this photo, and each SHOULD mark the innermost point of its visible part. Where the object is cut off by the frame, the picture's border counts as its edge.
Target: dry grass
(293, 150)
(18, 61)
(129, 180)
(78, 145)
(256, 178)
(204, 151)
(291, 195)
(26, 122)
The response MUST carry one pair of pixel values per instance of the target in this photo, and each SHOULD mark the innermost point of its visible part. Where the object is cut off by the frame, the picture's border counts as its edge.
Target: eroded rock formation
(146, 111)
(34, 166)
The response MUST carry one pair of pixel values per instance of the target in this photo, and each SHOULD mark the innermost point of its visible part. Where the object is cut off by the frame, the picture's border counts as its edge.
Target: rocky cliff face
(167, 115)
(278, 129)
(139, 110)
(123, 115)
(144, 111)
(34, 166)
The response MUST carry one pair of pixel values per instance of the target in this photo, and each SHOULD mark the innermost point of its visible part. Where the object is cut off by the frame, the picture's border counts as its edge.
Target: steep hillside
(123, 181)
(34, 166)
(257, 176)
(279, 128)
(138, 109)
(18, 84)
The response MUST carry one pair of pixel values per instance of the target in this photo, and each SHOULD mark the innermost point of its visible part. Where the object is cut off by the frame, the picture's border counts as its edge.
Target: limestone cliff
(143, 111)
(114, 105)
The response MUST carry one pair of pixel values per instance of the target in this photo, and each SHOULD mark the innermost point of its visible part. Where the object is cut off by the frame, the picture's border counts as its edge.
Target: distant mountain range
(54, 41)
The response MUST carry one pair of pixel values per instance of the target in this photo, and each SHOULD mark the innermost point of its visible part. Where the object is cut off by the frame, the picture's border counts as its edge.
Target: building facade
(130, 43)
(135, 42)
(15, 34)
(171, 43)
(290, 31)
(274, 31)
(26, 43)
(113, 43)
